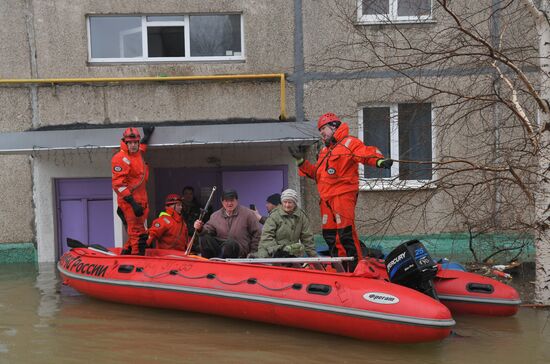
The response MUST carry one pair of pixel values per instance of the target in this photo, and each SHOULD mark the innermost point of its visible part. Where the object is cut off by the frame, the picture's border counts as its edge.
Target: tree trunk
(542, 202)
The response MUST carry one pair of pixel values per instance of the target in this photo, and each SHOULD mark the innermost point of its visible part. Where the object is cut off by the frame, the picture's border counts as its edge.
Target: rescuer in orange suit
(169, 231)
(337, 176)
(130, 174)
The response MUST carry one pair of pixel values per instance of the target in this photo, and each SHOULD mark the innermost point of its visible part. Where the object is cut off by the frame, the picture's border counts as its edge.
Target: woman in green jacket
(286, 232)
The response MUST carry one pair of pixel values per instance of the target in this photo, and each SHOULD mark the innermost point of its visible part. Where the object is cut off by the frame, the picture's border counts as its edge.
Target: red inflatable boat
(410, 265)
(467, 293)
(337, 303)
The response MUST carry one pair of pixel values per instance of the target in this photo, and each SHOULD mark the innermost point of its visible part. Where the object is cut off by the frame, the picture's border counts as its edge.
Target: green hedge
(455, 246)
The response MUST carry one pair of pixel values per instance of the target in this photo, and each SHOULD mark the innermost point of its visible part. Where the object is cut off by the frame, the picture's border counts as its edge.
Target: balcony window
(165, 38)
(393, 11)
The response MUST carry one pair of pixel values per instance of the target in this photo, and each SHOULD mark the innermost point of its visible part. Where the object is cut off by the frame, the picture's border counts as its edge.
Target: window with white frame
(402, 132)
(385, 11)
(200, 37)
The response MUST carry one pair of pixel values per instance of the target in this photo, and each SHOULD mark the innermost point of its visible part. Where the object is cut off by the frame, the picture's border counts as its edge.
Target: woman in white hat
(287, 231)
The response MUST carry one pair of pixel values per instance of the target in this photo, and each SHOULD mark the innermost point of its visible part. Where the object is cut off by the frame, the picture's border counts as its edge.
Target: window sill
(98, 62)
(394, 185)
(395, 22)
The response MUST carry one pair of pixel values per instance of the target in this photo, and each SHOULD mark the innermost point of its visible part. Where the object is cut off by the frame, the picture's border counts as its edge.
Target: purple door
(255, 186)
(85, 211)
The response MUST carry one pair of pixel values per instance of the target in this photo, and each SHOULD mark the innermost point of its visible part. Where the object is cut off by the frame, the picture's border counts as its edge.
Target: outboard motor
(411, 266)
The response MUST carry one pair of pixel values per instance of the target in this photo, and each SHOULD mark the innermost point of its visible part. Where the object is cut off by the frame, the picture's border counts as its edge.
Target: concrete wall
(48, 39)
(16, 215)
(160, 102)
(14, 40)
(56, 31)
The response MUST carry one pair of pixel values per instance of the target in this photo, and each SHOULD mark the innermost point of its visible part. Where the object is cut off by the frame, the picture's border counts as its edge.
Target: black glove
(142, 244)
(298, 153)
(138, 209)
(384, 163)
(147, 132)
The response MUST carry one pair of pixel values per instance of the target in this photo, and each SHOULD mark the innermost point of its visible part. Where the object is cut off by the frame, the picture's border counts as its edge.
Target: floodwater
(42, 321)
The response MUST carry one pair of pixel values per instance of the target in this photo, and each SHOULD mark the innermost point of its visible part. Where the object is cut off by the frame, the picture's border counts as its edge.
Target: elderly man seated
(232, 232)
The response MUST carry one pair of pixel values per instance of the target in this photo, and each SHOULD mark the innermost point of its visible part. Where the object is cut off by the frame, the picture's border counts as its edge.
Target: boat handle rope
(296, 286)
(173, 272)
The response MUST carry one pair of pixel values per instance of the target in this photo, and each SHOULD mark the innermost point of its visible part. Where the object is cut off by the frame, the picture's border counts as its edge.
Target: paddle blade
(73, 243)
(99, 247)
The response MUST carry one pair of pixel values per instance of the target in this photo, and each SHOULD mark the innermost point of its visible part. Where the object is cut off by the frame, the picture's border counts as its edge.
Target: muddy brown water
(42, 321)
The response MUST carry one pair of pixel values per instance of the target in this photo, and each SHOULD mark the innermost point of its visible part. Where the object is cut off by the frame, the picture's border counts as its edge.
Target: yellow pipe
(283, 98)
(53, 81)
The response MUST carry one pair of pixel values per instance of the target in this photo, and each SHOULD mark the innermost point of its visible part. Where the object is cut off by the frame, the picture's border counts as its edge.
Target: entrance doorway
(253, 184)
(84, 211)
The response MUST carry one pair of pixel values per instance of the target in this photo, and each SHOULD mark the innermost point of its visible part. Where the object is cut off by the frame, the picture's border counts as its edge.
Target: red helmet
(131, 135)
(172, 199)
(328, 118)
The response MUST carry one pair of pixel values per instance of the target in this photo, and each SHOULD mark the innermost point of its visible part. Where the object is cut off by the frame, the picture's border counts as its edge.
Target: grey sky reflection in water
(42, 321)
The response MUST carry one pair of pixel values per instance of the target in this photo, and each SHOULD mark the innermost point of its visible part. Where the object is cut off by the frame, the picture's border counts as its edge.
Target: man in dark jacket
(191, 208)
(271, 204)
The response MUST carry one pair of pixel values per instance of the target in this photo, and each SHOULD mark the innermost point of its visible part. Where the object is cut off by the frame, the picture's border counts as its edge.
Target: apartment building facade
(229, 86)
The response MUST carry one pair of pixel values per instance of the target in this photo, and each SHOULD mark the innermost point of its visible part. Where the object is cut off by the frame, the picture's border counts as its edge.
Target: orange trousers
(135, 226)
(338, 222)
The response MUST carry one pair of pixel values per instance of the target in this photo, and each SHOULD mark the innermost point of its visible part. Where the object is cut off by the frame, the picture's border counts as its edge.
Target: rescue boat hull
(468, 293)
(336, 303)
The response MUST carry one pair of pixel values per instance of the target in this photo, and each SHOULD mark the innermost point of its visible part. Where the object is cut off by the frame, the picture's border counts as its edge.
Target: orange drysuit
(130, 175)
(169, 231)
(337, 175)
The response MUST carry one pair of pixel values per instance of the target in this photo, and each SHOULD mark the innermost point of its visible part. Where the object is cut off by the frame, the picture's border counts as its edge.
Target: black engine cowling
(410, 265)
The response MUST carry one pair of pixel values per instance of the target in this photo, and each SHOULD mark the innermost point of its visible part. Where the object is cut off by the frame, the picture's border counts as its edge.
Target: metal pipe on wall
(53, 81)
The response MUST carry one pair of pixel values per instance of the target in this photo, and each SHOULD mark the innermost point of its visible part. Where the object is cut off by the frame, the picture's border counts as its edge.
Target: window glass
(166, 18)
(413, 7)
(377, 133)
(166, 41)
(415, 141)
(376, 7)
(215, 35)
(115, 37)
(124, 37)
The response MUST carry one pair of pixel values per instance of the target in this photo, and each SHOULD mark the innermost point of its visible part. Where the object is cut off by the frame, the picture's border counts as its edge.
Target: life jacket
(130, 174)
(169, 231)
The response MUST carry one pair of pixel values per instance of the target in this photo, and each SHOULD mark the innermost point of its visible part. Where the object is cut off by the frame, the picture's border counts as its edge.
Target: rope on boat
(214, 276)
(173, 272)
(277, 289)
